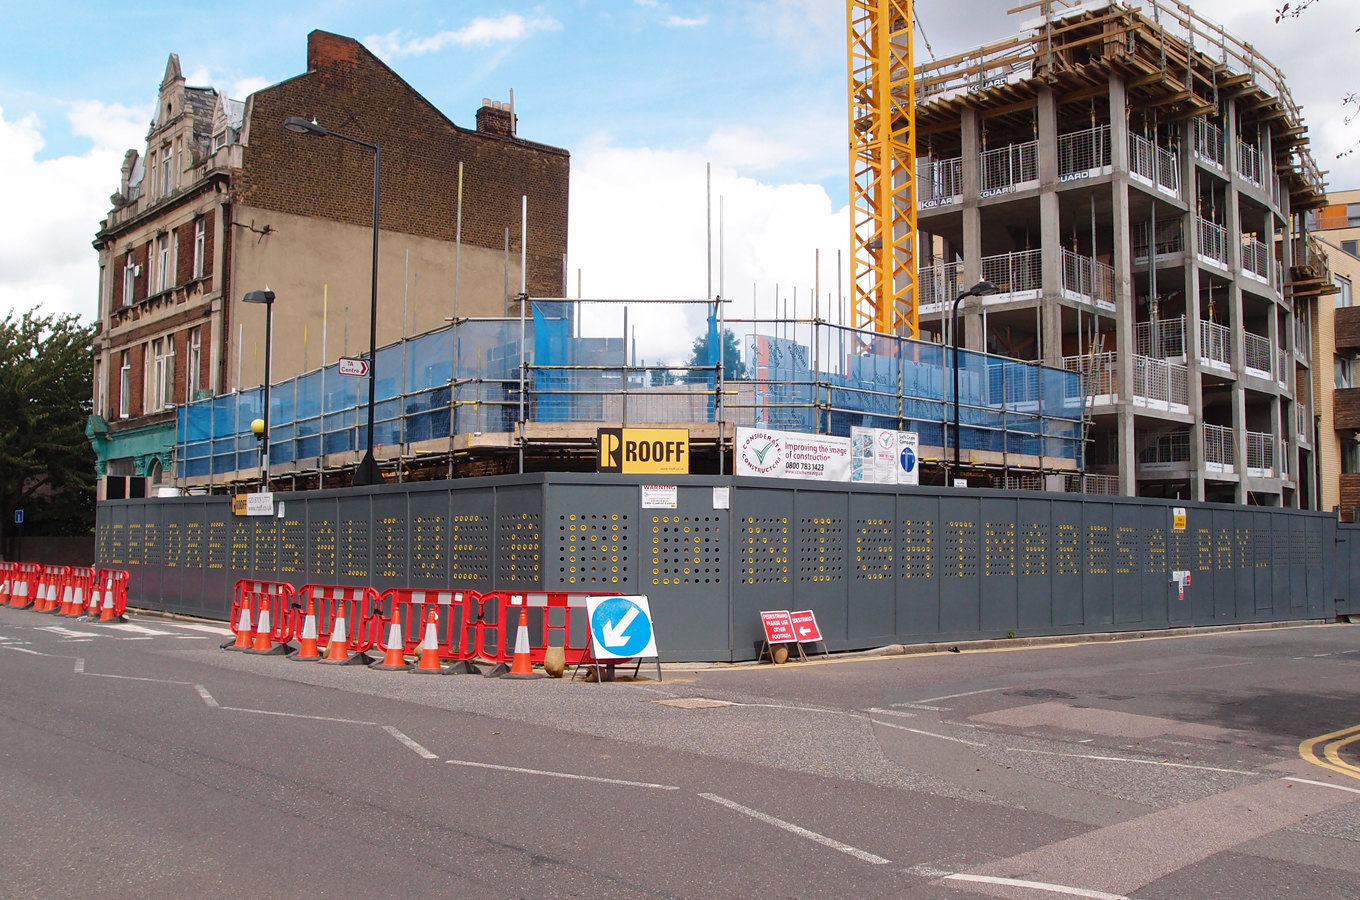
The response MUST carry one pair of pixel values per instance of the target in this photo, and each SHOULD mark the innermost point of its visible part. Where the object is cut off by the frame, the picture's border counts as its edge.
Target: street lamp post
(260, 427)
(982, 288)
(368, 471)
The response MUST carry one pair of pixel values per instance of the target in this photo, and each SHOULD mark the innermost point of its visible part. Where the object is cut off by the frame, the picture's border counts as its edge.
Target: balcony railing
(1163, 339)
(938, 285)
(1006, 168)
(1215, 346)
(1209, 142)
(1014, 274)
(1084, 153)
(1258, 356)
(1087, 280)
(1303, 423)
(1255, 258)
(1169, 239)
(1249, 163)
(1282, 368)
(1160, 384)
(1099, 375)
(1164, 450)
(1260, 455)
(1076, 483)
(1213, 242)
(939, 182)
(1154, 165)
(1218, 449)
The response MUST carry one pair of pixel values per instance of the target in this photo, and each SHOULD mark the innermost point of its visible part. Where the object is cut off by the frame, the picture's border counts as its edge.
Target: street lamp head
(257, 427)
(265, 296)
(982, 289)
(299, 125)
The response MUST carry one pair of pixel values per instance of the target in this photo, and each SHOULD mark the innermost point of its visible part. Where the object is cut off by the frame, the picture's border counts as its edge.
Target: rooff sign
(644, 451)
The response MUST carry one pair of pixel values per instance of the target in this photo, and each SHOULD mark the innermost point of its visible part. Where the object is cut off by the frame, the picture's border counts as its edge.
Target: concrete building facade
(1136, 182)
(224, 200)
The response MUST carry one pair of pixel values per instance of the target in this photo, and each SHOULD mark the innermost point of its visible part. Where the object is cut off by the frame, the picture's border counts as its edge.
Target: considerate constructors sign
(869, 455)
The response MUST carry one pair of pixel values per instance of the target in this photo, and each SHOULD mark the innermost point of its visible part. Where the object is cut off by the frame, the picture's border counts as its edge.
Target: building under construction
(1135, 182)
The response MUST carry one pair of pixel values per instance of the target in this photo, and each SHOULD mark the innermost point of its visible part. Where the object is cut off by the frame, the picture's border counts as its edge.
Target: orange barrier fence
(355, 606)
(262, 603)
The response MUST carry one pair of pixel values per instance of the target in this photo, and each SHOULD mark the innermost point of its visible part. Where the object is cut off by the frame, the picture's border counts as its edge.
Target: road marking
(1326, 784)
(890, 712)
(132, 678)
(26, 650)
(943, 737)
(288, 715)
(1035, 885)
(137, 629)
(791, 828)
(80, 665)
(951, 696)
(1127, 759)
(568, 775)
(207, 698)
(1330, 755)
(921, 706)
(65, 632)
(1198, 668)
(419, 750)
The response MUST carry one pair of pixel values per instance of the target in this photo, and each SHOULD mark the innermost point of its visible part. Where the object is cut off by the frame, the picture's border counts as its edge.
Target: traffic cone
(49, 598)
(522, 666)
(307, 640)
(394, 660)
(429, 646)
(263, 639)
(72, 601)
(107, 611)
(20, 600)
(337, 648)
(244, 629)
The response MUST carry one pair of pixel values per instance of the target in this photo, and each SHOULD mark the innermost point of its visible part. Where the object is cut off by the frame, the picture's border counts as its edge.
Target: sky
(649, 97)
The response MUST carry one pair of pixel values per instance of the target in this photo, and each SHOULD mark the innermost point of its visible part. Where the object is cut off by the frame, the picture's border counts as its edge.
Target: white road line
(219, 630)
(924, 706)
(568, 775)
(419, 750)
(133, 678)
(890, 712)
(80, 665)
(1126, 759)
(1335, 787)
(791, 828)
(1035, 885)
(137, 629)
(26, 650)
(203, 692)
(943, 737)
(288, 715)
(952, 696)
(65, 632)
(1198, 669)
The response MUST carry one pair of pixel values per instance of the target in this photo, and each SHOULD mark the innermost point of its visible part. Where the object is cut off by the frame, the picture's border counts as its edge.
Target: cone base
(521, 676)
(463, 667)
(231, 645)
(276, 650)
(354, 659)
(497, 670)
(438, 671)
(385, 666)
(311, 657)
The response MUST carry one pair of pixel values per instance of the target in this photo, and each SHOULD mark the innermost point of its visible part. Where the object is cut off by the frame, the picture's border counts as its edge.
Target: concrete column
(1050, 233)
(971, 322)
(1124, 300)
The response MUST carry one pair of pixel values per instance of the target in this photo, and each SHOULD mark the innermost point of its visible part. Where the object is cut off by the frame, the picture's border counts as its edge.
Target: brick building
(224, 200)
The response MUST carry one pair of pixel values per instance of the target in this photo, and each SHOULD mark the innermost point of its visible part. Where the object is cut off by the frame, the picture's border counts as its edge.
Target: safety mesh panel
(918, 548)
(821, 549)
(389, 546)
(470, 546)
(595, 548)
(323, 550)
(765, 550)
(519, 547)
(998, 548)
(1034, 549)
(686, 550)
(874, 549)
(959, 558)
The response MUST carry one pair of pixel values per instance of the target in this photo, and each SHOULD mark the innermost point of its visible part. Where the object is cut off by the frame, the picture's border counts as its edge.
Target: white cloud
(54, 206)
(639, 228)
(683, 22)
(237, 89)
(480, 32)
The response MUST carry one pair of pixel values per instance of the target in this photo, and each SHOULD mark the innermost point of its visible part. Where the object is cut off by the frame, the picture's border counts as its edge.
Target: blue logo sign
(18, 517)
(621, 627)
(908, 460)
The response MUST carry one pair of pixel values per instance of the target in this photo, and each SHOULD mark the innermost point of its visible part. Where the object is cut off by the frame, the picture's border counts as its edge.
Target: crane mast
(883, 293)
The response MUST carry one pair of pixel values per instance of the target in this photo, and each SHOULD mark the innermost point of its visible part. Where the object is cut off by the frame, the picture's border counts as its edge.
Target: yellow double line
(1325, 750)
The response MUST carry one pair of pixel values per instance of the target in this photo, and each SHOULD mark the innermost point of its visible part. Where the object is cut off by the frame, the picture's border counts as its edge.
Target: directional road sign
(349, 365)
(805, 624)
(620, 628)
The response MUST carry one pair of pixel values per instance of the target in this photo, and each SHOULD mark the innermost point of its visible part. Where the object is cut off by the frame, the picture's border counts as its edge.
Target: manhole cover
(694, 702)
(1042, 694)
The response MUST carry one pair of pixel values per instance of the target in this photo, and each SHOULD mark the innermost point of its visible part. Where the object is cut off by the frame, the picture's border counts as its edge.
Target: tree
(1350, 102)
(46, 463)
(699, 358)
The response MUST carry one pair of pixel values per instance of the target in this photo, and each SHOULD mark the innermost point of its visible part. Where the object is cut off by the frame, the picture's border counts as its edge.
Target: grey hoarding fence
(877, 566)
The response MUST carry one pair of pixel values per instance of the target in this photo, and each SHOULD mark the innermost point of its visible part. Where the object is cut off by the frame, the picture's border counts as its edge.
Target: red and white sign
(805, 626)
(349, 365)
(778, 625)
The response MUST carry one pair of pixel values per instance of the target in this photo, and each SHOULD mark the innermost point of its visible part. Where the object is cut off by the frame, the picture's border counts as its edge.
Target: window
(219, 140)
(162, 264)
(165, 170)
(102, 303)
(163, 373)
(125, 385)
(1351, 247)
(1344, 373)
(179, 154)
(193, 364)
(98, 387)
(150, 177)
(129, 280)
(200, 245)
(1352, 215)
(1350, 456)
(1343, 296)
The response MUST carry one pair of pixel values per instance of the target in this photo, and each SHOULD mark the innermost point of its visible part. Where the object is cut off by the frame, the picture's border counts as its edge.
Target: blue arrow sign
(620, 627)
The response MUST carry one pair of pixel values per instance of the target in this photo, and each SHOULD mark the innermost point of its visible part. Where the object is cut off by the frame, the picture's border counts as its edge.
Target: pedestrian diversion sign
(621, 628)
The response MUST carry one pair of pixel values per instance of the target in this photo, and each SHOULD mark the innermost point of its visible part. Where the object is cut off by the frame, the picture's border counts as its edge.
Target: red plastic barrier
(7, 572)
(414, 606)
(50, 585)
(550, 623)
(26, 577)
(280, 595)
(77, 591)
(111, 593)
(358, 604)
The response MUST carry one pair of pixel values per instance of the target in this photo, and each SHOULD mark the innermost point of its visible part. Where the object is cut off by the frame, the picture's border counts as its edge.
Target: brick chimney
(496, 117)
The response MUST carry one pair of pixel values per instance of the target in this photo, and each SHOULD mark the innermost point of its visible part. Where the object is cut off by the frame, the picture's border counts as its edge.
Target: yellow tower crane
(882, 167)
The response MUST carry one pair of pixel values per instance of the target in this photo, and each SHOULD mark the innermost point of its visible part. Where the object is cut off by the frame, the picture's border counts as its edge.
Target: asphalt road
(142, 760)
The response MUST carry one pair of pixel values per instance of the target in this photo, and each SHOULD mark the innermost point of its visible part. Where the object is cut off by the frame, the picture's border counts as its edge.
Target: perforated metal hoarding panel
(872, 583)
(820, 581)
(919, 590)
(959, 533)
(998, 604)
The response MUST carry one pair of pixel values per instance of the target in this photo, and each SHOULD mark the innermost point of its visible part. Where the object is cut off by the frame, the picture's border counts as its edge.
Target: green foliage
(46, 463)
(733, 368)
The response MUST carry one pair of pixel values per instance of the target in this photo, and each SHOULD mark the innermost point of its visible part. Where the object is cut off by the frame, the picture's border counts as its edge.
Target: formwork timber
(878, 565)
